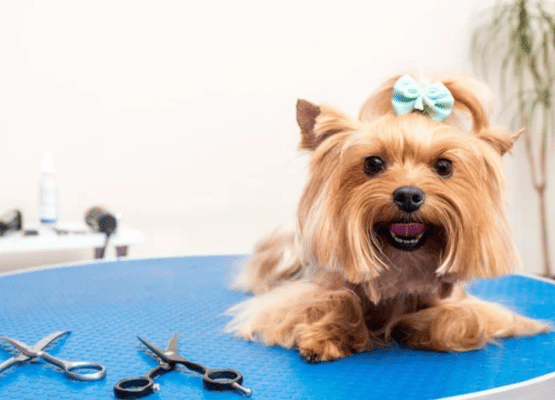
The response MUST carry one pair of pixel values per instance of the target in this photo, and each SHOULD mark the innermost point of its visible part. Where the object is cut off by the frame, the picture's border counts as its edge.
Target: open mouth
(405, 236)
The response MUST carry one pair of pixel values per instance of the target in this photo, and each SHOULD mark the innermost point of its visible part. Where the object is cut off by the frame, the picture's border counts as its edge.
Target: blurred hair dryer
(101, 220)
(10, 221)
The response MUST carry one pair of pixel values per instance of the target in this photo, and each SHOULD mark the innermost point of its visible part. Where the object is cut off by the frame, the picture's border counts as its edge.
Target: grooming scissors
(70, 368)
(214, 379)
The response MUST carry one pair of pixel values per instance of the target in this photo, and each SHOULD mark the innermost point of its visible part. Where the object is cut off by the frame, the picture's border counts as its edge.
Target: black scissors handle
(142, 386)
(224, 379)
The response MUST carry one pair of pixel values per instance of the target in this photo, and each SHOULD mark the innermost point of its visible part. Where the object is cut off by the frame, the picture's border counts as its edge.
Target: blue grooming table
(106, 305)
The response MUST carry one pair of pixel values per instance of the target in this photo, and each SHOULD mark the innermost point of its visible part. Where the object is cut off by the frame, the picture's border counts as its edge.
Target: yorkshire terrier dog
(402, 206)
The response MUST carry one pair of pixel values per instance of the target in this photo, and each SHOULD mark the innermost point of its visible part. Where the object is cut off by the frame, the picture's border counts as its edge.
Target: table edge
(70, 264)
(544, 384)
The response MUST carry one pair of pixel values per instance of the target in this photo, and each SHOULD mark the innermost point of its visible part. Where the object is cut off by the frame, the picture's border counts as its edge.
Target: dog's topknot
(473, 105)
(471, 99)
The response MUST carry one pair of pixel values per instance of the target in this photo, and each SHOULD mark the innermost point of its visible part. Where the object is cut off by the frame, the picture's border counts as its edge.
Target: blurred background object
(101, 221)
(10, 221)
(181, 115)
(48, 192)
(516, 44)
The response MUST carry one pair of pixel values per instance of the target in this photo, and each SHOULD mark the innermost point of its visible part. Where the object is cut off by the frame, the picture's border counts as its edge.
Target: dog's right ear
(306, 118)
(317, 123)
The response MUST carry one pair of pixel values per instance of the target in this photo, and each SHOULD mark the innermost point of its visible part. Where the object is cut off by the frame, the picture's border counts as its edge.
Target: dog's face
(388, 198)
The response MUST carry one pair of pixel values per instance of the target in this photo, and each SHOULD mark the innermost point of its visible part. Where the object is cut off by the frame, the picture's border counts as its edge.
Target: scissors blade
(44, 342)
(173, 344)
(155, 350)
(28, 351)
(19, 359)
(22, 358)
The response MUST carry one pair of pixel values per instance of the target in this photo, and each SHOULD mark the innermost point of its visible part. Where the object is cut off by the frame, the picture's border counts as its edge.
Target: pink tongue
(407, 229)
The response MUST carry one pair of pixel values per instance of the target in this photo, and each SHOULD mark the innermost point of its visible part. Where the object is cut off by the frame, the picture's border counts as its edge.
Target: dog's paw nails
(311, 358)
(318, 355)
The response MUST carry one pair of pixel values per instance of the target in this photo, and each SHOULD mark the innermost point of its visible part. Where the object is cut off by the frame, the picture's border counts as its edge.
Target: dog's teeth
(402, 240)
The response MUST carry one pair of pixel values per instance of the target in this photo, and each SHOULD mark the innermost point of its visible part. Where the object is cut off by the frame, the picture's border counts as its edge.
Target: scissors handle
(224, 379)
(71, 368)
(135, 388)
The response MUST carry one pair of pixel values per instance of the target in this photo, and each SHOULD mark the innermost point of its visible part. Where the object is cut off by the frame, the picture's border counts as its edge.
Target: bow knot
(435, 99)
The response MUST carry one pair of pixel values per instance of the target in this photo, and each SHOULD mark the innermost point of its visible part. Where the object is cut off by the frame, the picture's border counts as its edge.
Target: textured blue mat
(107, 305)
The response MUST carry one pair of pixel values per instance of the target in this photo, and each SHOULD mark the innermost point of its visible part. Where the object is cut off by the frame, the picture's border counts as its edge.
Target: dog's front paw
(317, 352)
(315, 345)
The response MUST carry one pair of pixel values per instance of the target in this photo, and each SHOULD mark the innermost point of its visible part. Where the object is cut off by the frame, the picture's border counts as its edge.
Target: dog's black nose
(408, 198)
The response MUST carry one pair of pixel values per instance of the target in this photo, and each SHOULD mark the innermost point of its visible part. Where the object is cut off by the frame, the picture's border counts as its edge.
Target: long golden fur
(341, 283)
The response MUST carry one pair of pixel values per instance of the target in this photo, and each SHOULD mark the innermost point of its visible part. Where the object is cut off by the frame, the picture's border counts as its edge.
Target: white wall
(180, 114)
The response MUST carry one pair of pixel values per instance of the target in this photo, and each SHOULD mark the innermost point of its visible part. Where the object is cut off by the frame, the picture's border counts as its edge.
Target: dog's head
(387, 187)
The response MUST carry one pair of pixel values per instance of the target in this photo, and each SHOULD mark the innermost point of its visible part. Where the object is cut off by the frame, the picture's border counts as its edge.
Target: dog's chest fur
(411, 273)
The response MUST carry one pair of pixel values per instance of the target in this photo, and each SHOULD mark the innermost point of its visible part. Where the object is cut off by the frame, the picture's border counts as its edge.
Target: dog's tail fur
(276, 258)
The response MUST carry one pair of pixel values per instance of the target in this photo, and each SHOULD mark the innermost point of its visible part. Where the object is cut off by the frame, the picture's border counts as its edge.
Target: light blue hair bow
(435, 100)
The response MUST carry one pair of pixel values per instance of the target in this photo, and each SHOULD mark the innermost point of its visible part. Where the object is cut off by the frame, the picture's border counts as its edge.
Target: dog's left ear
(500, 139)
(317, 123)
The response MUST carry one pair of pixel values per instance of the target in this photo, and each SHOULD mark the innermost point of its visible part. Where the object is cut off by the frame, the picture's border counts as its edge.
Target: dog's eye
(373, 165)
(443, 168)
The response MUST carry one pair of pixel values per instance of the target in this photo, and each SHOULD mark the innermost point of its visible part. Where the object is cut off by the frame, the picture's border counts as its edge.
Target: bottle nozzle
(48, 163)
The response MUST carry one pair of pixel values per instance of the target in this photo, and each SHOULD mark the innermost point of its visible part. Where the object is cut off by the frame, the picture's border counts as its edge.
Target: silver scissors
(33, 353)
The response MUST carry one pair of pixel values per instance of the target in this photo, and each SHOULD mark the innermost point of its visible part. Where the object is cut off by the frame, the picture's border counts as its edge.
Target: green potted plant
(516, 40)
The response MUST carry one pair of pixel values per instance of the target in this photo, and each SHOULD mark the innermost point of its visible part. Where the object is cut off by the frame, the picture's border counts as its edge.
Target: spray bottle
(48, 192)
